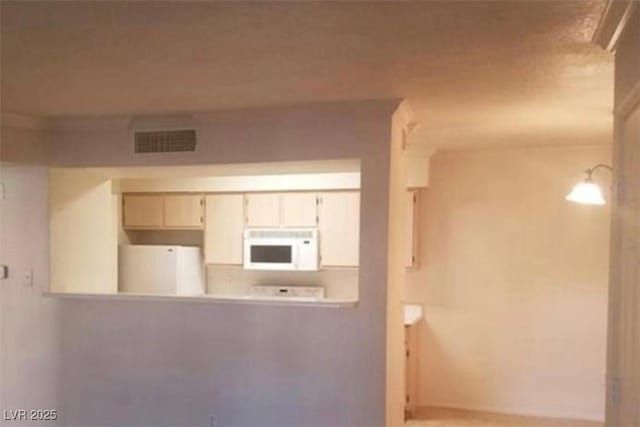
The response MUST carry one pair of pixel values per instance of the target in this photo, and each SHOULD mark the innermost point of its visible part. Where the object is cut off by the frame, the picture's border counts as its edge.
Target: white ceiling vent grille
(169, 141)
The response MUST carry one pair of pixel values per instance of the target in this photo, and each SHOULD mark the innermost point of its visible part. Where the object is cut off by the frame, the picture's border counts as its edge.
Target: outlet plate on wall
(614, 392)
(27, 279)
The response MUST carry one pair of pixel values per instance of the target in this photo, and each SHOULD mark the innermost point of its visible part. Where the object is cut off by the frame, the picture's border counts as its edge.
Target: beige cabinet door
(263, 210)
(411, 235)
(223, 229)
(339, 228)
(299, 210)
(142, 210)
(184, 211)
(411, 368)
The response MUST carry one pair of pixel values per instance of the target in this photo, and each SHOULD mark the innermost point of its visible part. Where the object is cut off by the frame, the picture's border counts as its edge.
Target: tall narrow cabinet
(339, 225)
(223, 231)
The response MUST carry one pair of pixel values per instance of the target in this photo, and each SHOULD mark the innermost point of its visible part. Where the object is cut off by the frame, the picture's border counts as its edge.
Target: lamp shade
(586, 193)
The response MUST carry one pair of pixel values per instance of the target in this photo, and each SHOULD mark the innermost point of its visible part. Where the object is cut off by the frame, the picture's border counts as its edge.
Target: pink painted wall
(172, 363)
(21, 144)
(29, 339)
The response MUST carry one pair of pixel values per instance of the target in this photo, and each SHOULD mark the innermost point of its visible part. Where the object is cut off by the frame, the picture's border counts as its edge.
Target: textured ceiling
(476, 73)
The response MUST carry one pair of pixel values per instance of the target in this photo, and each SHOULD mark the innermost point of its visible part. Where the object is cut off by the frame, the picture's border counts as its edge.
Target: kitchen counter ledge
(219, 299)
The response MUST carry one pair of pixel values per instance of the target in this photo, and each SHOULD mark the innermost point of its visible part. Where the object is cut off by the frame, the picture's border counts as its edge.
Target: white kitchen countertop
(240, 299)
(413, 313)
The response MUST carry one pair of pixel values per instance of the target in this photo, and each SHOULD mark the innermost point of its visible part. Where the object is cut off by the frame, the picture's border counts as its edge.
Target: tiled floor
(436, 417)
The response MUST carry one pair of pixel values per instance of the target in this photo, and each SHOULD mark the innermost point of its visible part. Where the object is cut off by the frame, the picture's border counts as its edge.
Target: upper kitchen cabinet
(299, 210)
(163, 211)
(224, 227)
(142, 211)
(282, 210)
(183, 211)
(263, 210)
(339, 225)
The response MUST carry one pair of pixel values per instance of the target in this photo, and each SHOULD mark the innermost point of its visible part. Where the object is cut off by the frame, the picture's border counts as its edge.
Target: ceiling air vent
(166, 141)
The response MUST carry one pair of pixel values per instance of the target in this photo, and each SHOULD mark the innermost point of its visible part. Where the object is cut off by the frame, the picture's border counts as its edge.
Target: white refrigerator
(155, 269)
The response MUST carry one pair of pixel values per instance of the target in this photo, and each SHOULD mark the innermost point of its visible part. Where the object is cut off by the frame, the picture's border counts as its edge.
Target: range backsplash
(339, 283)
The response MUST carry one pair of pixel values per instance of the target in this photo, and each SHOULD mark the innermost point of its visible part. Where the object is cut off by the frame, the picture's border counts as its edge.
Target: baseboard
(519, 412)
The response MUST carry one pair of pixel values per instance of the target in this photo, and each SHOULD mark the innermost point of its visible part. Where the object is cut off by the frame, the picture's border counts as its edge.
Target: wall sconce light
(588, 192)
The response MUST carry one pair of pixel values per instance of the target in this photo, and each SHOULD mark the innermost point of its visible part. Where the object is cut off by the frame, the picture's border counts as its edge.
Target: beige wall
(514, 283)
(233, 280)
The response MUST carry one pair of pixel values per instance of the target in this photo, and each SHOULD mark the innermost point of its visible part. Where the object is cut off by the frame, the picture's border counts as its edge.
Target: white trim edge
(556, 414)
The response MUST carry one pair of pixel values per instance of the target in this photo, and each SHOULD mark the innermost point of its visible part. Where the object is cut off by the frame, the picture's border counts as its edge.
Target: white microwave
(281, 249)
